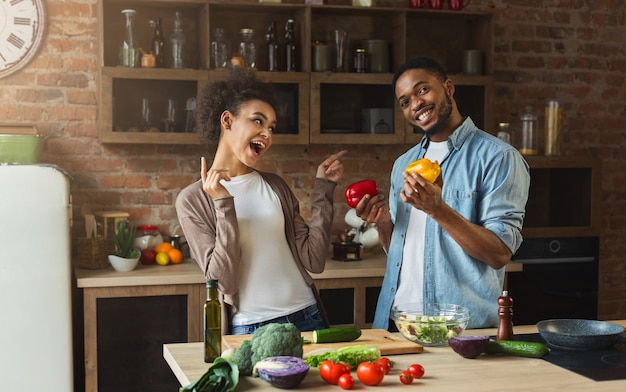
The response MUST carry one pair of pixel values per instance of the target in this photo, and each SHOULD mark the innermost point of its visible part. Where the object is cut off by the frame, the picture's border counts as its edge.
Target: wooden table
(445, 371)
(153, 280)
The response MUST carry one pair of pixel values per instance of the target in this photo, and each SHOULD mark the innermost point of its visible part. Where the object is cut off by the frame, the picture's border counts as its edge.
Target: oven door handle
(556, 260)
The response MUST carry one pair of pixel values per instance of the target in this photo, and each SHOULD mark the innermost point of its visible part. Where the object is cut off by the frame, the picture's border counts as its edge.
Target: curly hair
(238, 87)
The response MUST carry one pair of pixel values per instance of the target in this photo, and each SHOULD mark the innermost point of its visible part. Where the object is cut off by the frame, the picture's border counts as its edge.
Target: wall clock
(22, 25)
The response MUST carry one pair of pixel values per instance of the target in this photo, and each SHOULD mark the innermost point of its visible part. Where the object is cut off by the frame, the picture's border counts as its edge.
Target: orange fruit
(162, 258)
(175, 255)
(163, 247)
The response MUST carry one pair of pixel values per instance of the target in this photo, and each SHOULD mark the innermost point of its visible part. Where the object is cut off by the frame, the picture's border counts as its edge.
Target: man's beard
(443, 115)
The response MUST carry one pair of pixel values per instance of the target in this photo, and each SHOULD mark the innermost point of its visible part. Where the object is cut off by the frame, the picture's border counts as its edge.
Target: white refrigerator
(35, 279)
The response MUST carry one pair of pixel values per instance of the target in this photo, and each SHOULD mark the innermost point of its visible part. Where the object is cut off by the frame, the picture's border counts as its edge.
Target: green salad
(433, 330)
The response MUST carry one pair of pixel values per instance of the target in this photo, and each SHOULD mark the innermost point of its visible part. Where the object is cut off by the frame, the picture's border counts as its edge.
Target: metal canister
(360, 60)
(321, 57)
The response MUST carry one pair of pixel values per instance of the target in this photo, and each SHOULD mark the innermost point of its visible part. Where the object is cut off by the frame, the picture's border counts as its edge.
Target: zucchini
(517, 348)
(334, 335)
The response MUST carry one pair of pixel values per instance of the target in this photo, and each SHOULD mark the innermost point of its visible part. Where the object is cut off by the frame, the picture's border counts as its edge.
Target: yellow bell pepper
(425, 168)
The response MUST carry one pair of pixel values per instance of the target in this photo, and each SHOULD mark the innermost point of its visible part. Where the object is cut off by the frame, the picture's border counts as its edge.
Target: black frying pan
(577, 334)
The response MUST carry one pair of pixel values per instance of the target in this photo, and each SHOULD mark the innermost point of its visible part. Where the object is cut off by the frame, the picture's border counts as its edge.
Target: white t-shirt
(270, 285)
(411, 281)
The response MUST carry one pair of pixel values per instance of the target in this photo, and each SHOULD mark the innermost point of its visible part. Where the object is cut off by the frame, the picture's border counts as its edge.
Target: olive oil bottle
(212, 323)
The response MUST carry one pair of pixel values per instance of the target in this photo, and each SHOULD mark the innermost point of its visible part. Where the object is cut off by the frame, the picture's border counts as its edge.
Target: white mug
(352, 220)
(369, 237)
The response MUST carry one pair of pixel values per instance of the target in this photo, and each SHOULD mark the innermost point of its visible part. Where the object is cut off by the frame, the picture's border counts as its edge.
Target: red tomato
(387, 364)
(416, 370)
(346, 381)
(405, 377)
(370, 373)
(331, 371)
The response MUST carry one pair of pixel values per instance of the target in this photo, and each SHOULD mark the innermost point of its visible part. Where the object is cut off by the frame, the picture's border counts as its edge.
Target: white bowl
(121, 264)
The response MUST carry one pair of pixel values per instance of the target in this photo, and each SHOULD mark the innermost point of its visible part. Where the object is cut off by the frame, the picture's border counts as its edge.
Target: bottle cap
(211, 283)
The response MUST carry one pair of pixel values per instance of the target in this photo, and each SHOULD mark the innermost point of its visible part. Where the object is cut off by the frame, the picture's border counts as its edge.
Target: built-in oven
(559, 279)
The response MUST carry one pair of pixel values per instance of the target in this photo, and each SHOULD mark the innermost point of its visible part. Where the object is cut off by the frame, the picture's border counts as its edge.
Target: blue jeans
(307, 319)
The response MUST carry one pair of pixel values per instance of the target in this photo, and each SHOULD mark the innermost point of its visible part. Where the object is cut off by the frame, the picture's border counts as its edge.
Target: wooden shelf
(307, 109)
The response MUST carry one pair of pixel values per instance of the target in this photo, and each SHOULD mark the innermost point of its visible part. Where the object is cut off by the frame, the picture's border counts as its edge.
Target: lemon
(162, 258)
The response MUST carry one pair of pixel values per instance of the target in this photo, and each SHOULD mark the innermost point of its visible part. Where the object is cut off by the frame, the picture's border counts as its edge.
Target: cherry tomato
(331, 371)
(370, 373)
(416, 370)
(405, 377)
(387, 364)
(346, 381)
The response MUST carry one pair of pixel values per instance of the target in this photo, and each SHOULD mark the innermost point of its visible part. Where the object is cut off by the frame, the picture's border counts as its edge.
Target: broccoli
(276, 339)
(270, 340)
(243, 358)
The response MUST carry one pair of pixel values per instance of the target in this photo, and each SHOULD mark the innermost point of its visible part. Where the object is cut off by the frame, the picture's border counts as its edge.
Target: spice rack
(315, 107)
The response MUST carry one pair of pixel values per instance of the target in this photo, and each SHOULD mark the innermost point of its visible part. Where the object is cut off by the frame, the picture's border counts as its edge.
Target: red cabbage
(469, 346)
(282, 372)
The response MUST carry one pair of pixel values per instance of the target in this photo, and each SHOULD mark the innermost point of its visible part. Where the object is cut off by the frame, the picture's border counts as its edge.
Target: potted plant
(126, 256)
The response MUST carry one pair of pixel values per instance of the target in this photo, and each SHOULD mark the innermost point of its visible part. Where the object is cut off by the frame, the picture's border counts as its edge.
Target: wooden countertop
(187, 272)
(371, 266)
(445, 371)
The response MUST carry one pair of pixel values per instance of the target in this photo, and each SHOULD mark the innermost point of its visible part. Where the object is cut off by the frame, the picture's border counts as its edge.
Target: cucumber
(334, 335)
(517, 348)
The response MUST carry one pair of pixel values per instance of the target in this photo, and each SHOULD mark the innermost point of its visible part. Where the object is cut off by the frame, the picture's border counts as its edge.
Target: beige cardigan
(211, 230)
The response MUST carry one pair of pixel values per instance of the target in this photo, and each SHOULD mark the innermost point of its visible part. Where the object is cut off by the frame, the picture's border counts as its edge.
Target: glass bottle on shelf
(129, 50)
(272, 47)
(177, 44)
(528, 132)
(212, 323)
(220, 48)
(157, 42)
(247, 47)
(290, 46)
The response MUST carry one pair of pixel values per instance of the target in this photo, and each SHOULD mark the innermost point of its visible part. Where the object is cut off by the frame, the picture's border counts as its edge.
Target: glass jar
(129, 50)
(147, 237)
(247, 47)
(553, 127)
(360, 60)
(220, 48)
(177, 44)
(528, 132)
(504, 132)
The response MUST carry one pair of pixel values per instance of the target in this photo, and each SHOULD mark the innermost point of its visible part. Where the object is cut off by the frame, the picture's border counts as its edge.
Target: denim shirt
(486, 181)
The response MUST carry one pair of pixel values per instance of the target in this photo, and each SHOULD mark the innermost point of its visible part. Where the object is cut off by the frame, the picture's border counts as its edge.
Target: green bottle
(212, 323)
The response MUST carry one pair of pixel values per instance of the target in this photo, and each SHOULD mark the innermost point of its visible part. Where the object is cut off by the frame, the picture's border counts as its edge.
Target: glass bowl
(431, 324)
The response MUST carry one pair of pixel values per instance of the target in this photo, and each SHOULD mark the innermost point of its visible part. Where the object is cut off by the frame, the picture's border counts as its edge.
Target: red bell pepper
(356, 191)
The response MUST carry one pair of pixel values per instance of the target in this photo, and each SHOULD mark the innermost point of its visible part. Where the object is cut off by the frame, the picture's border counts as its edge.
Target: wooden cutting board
(387, 342)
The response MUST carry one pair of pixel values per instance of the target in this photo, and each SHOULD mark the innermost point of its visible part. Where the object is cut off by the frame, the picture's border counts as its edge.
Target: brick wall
(573, 50)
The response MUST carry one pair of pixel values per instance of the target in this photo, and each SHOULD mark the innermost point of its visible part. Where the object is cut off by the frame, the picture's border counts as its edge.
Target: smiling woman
(244, 225)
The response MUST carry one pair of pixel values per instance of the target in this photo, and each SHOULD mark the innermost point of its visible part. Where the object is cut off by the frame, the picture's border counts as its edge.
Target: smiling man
(448, 241)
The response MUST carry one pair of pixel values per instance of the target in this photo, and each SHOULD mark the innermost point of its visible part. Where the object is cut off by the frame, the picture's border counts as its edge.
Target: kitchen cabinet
(128, 315)
(564, 198)
(314, 107)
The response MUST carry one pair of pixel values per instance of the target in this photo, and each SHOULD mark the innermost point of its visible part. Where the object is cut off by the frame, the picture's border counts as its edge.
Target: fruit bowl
(431, 324)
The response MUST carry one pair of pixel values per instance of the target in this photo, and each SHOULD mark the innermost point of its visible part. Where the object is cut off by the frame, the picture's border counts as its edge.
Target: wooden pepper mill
(505, 312)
